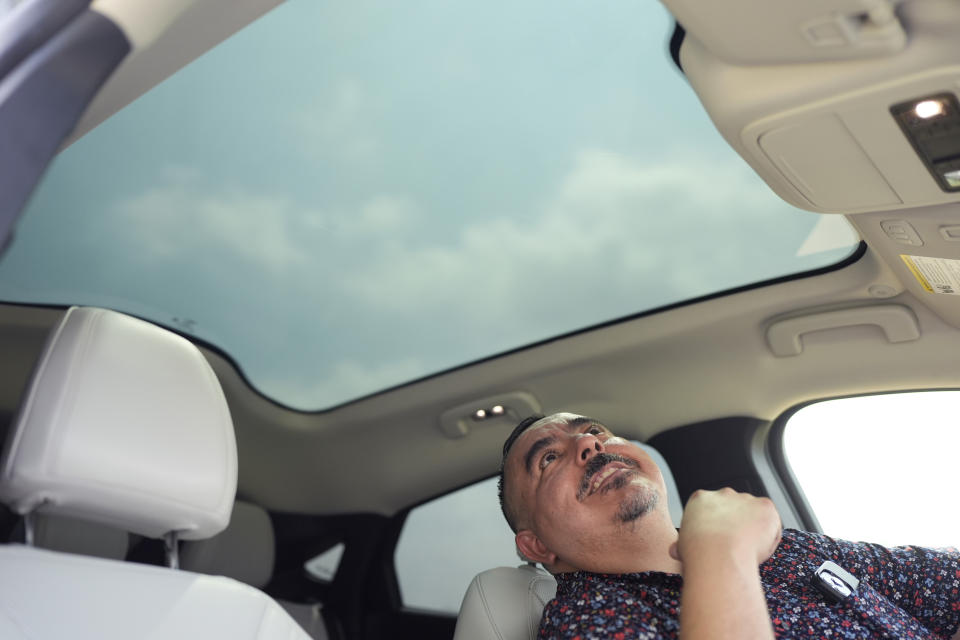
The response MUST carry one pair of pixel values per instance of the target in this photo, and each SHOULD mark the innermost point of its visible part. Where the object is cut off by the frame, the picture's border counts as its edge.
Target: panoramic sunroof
(348, 196)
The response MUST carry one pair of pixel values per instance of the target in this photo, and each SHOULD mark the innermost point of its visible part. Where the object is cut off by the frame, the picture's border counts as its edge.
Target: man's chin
(636, 505)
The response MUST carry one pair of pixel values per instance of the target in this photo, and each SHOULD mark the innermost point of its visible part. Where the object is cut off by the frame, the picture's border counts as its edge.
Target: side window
(444, 543)
(880, 468)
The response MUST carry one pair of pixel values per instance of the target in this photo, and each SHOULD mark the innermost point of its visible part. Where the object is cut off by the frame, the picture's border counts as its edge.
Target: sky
(345, 197)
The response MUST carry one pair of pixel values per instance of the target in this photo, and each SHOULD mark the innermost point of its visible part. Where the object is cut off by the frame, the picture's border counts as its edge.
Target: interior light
(479, 414)
(497, 410)
(952, 178)
(929, 109)
(931, 124)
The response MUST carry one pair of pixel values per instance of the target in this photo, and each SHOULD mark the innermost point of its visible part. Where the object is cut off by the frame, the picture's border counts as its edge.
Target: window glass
(346, 196)
(880, 468)
(446, 542)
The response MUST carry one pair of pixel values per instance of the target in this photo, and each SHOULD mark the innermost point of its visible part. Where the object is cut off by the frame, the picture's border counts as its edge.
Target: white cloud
(177, 218)
(615, 222)
(182, 216)
(382, 214)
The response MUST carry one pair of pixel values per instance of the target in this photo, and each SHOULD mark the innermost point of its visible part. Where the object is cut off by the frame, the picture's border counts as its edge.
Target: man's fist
(728, 522)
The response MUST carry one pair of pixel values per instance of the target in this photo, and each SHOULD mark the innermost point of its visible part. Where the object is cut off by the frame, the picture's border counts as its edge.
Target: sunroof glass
(348, 196)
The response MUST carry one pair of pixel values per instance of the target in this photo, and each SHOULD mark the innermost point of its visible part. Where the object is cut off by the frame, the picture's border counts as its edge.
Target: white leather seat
(245, 551)
(124, 424)
(506, 603)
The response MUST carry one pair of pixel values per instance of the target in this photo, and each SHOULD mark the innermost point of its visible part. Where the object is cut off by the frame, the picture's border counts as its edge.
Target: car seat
(124, 424)
(245, 551)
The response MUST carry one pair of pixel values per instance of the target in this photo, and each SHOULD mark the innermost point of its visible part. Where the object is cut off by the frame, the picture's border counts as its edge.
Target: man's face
(579, 488)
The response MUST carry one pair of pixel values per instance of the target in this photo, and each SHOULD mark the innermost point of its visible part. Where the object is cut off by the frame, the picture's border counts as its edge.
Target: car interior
(278, 279)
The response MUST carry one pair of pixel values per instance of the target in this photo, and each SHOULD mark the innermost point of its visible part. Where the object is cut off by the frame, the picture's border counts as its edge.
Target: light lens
(929, 109)
(952, 178)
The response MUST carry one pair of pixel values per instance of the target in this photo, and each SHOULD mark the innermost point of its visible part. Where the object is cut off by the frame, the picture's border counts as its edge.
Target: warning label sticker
(936, 275)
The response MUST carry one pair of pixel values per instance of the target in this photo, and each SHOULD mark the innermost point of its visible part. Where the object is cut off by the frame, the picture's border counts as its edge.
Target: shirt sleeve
(923, 582)
(607, 614)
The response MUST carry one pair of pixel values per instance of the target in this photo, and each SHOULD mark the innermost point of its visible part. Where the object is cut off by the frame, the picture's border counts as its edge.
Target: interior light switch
(901, 231)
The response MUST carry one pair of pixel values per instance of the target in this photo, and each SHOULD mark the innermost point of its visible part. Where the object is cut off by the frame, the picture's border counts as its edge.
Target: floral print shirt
(904, 592)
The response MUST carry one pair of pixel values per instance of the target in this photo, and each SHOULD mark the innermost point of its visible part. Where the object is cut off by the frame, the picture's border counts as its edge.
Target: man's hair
(509, 510)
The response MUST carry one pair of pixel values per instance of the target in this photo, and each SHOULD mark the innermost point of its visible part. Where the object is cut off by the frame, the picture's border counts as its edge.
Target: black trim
(676, 41)
(346, 611)
(43, 97)
(711, 455)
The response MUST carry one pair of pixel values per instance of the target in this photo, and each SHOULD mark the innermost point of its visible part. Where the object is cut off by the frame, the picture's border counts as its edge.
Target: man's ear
(533, 548)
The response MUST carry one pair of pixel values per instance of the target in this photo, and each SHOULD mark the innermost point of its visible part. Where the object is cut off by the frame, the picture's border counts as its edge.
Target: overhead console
(841, 106)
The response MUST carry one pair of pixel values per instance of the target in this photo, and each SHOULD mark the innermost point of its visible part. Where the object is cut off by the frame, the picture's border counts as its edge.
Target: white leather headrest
(124, 424)
(505, 603)
(243, 551)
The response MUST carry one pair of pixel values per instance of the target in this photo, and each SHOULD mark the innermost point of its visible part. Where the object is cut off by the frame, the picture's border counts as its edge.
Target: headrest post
(28, 528)
(172, 549)
(30, 524)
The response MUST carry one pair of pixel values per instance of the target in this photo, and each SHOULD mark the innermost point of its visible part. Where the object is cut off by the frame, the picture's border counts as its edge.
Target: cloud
(177, 218)
(182, 216)
(381, 215)
(615, 227)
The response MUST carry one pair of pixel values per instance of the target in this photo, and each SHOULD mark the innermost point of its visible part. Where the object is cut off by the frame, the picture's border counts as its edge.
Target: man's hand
(737, 523)
(724, 536)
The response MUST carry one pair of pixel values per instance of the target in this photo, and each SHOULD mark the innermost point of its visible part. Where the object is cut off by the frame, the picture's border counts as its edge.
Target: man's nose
(587, 447)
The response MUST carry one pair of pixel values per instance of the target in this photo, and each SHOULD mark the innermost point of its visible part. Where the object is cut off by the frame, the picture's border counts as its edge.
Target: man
(592, 508)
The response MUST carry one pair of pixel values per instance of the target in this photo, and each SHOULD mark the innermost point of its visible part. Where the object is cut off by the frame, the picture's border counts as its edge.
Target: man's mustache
(597, 463)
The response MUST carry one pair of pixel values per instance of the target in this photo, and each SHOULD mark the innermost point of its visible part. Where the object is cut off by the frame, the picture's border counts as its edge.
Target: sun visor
(865, 120)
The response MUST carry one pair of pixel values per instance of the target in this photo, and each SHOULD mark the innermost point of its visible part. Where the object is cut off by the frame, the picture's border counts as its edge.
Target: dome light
(929, 109)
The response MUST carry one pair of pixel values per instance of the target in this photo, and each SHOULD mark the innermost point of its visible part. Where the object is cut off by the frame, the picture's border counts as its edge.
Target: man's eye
(547, 458)
(596, 431)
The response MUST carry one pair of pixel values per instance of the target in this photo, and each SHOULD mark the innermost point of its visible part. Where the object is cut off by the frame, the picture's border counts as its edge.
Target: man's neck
(649, 550)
